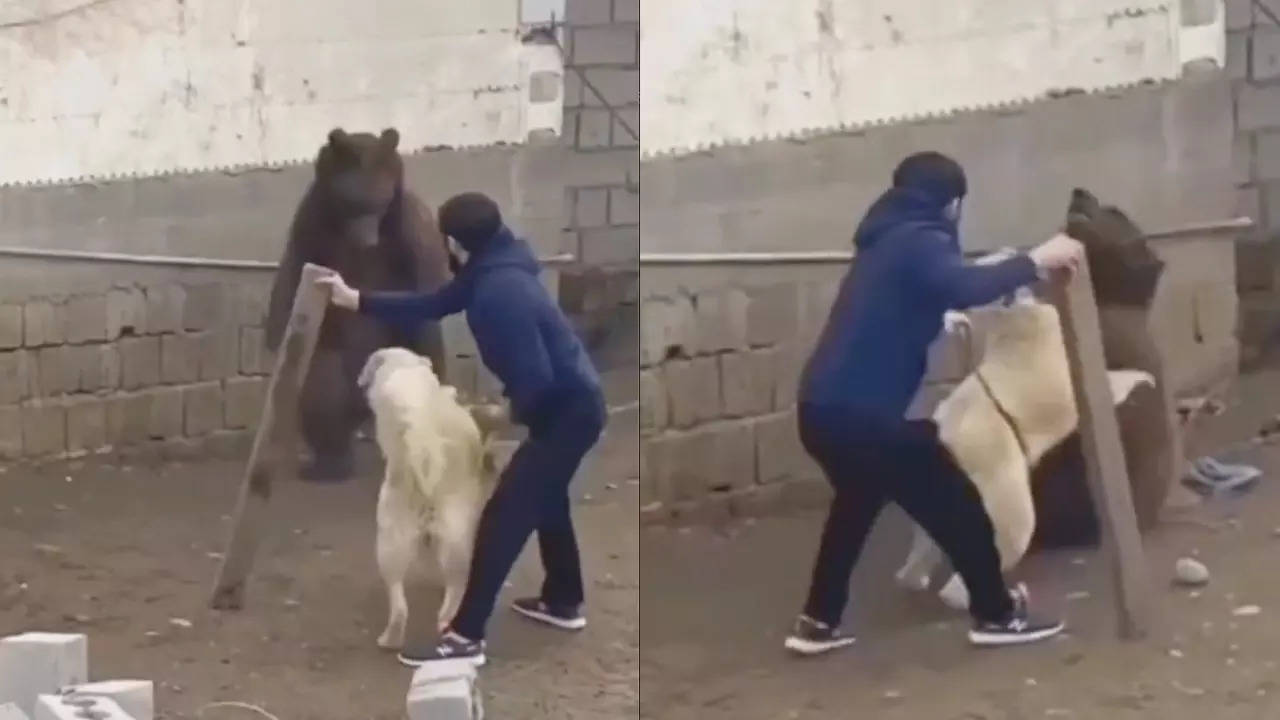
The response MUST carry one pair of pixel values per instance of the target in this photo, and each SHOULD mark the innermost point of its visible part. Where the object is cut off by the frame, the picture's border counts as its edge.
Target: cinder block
(205, 306)
(164, 308)
(788, 362)
(1267, 160)
(10, 432)
(667, 330)
(15, 381)
(86, 425)
(591, 208)
(165, 419)
(129, 418)
(202, 409)
(780, 456)
(63, 707)
(135, 697)
(251, 306)
(254, 357)
(93, 367)
(139, 362)
(219, 353)
(44, 428)
(10, 711)
(244, 398)
(619, 86)
(593, 128)
(610, 245)
(444, 691)
(747, 382)
(1257, 107)
(772, 314)
(587, 12)
(36, 663)
(693, 390)
(607, 45)
(87, 318)
(51, 373)
(653, 401)
(626, 135)
(10, 327)
(1238, 51)
(626, 11)
(179, 358)
(126, 312)
(734, 450)
(43, 323)
(720, 320)
(624, 206)
(1239, 14)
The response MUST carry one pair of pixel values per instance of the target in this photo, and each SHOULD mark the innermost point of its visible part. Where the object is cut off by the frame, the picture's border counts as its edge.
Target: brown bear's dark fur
(356, 218)
(1126, 273)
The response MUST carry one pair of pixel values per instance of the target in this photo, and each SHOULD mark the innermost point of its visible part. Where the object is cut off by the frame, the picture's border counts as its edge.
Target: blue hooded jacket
(872, 353)
(523, 337)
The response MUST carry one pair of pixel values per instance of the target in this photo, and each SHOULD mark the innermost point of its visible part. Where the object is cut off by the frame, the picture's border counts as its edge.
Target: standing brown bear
(356, 218)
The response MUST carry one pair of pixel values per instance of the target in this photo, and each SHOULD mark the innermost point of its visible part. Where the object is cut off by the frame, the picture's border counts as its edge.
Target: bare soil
(717, 602)
(127, 554)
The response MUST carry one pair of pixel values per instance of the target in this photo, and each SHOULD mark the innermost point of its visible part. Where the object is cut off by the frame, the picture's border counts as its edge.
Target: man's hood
(504, 249)
(900, 206)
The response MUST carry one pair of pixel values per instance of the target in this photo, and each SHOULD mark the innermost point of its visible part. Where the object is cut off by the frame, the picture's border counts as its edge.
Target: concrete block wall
(722, 347)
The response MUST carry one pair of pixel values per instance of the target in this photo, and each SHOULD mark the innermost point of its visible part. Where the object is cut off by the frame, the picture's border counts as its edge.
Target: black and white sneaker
(451, 646)
(1019, 629)
(812, 637)
(565, 618)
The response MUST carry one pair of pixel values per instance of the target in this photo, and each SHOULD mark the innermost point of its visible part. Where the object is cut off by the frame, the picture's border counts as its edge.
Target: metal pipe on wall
(1219, 229)
(183, 261)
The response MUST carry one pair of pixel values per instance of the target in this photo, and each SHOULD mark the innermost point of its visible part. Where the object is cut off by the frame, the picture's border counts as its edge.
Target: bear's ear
(337, 136)
(390, 138)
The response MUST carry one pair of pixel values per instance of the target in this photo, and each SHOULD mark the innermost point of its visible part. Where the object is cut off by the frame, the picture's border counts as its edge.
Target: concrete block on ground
(243, 401)
(164, 308)
(93, 367)
(87, 319)
(10, 326)
(44, 428)
(693, 390)
(254, 357)
(43, 323)
(444, 691)
(36, 663)
(165, 416)
(653, 401)
(219, 353)
(139, 362)
(65, 707)
(52, 372)
(128, 417)
(202, 409)
(204, 306)
(135, 697)
(779, 454)
(10, 711)
(773, 314)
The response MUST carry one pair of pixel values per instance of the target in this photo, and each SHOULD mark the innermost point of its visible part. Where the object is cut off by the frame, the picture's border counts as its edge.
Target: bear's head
(1124, 268)
(360, 176)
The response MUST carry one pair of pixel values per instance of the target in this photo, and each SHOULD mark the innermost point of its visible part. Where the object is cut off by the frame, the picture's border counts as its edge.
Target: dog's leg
(455, 541)
(397, 540)
(916, 573)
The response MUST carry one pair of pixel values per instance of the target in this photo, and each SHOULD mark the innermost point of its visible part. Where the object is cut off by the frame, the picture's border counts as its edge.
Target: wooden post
(274, 450)
(1103, 453)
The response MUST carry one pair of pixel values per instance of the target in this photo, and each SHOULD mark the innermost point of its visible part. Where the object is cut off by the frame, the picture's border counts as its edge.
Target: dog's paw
(386, 642)
(915, 582)
(954, 594)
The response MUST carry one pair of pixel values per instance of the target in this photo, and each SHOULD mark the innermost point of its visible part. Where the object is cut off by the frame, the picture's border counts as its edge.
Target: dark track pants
(871, 462)
(533, 494)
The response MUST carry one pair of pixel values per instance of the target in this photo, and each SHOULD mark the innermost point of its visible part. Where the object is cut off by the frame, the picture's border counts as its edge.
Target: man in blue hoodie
(863, 374)
(553, 389)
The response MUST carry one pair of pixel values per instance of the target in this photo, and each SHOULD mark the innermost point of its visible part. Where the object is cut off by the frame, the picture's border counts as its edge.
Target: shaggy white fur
(437, 479)
(1000, 421)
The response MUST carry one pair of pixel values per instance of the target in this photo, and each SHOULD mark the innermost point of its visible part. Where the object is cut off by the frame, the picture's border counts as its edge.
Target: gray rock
(1190, 573)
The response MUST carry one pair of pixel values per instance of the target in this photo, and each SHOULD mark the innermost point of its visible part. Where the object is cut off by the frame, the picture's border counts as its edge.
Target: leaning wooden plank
(1103, 452)
(274, 450)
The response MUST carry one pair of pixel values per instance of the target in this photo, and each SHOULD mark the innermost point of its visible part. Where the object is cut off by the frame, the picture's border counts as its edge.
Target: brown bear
(358, 219)
(1126, 273)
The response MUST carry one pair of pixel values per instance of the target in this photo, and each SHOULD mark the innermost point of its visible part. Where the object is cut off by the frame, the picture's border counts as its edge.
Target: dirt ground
(712, 640)
(127, 555)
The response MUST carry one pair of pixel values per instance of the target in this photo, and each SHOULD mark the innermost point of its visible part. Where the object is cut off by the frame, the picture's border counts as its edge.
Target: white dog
(1001, 420)
(438, 476)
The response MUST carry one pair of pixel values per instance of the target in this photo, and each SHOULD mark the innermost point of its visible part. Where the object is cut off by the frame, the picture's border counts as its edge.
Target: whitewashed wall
(732, 71)
(92, 89)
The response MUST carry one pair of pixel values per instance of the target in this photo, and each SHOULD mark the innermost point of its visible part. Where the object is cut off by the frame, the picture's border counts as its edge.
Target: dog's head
(1125, 270)
(388, 360)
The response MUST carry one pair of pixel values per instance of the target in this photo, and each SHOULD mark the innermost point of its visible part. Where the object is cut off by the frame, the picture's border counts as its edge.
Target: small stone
(1190, 573)
(1176, 654)
(180, 622)
(1247, 611)
(893, 695)
(1077, 596)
